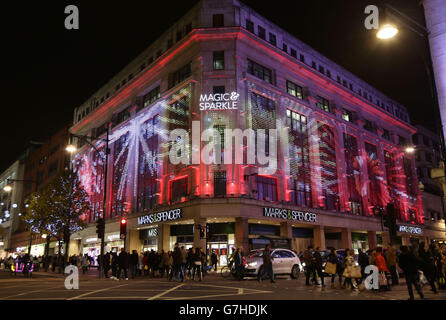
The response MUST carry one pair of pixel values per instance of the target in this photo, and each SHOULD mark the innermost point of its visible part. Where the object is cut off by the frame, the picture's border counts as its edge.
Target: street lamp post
(423, 32)
(71, 148)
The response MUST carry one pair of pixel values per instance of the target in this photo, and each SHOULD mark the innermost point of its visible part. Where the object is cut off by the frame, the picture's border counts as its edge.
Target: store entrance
(222, 250)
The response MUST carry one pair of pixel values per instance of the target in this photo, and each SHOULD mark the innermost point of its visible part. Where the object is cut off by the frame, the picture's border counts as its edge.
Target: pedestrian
(349, 263)
(140, 264)
(363, 261)
(145, 262)
(428, 266)
(176, 256)
(382, 269)
(190, 262)
(197, 264)
(333, 258)
(410, 265)
(133, 263)
(107, 260)
(309, 266)
(123, 261)
(183, 262)
(164, 263)
(114, 265)
(84, 263)
(267, 266)
(204, 262)
(238, 263)
(214, 260)
(391, 263)
(318, 265)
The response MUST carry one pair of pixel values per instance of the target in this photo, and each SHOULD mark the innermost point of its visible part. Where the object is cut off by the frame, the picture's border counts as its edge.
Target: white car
(284, 261)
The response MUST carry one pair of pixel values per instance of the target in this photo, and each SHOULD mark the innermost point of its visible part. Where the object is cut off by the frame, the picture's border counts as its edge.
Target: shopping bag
(346, 273)
(356, 272)
(423, 279)
(330, 268)
(382, 279)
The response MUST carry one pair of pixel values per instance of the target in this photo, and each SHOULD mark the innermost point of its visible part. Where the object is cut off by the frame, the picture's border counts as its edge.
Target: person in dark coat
(238, 263)
(107, 258)
(309, 265)
(176, 255)
(318, 264)
(123, 261)
(363, 261)
(410, 265)
(428, 266)
(133, 263)
(333, 258)
(267, 266)
(114, 265)
(196, 256)
(214, 260)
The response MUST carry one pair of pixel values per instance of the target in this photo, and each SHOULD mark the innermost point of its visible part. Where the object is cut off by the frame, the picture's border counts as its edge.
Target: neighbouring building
(223, 66)
(44, 162)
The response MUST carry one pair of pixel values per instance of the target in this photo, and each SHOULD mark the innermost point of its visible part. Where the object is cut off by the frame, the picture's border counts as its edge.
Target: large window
(148, 165)
(261, 32)
(220, 183)
(119, 185)
(294, 89)
(300, 180)
(180, 75)
(347, 115)
(375, 178)
(353, 171)
(179, 190)
(152, 96)
(219, 60)
(260, 71)
(323, 104)
(329, 178)
(266, 188)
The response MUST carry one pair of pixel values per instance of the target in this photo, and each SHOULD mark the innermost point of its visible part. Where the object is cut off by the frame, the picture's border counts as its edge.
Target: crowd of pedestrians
(420, 264)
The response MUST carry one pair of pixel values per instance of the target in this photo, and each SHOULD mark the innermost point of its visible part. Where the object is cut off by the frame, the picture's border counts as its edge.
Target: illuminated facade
(345, 150)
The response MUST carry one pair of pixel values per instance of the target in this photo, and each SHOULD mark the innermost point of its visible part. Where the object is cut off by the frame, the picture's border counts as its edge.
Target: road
(51, 286)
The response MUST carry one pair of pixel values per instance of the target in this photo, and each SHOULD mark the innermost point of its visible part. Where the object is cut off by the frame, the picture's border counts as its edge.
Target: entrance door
(221, 250)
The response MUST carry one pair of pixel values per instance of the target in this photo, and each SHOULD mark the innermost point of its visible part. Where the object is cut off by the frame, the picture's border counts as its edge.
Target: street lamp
(7, 188)
(410, 150)
(387, 31)
(71, 148)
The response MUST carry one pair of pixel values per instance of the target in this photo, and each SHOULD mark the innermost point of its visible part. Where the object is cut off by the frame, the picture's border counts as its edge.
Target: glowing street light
(71, 148)
(7, 188)
(387, 31)
(410, 150)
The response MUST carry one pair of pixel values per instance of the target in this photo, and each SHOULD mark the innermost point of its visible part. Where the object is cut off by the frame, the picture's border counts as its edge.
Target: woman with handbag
(348, 271)
(333, 267)
(382, 269)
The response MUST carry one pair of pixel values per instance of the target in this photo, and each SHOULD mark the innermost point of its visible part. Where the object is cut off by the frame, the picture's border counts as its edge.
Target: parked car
(285, 261)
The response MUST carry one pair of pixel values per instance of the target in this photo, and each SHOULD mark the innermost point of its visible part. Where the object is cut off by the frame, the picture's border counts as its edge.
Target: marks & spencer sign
(170, 215)
(288, 214)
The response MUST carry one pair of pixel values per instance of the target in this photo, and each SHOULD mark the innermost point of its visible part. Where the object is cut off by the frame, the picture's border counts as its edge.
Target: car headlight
(303, 264)
(357, 264)
(252, 264)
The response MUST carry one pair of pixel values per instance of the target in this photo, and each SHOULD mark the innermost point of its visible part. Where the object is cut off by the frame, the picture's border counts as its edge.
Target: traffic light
(202, 233)
(123, 228)
(390, 221)
(100, 227)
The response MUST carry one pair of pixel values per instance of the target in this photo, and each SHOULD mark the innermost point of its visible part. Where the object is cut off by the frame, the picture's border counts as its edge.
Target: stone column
(74, 248)
(319, 237)
(346, 238)
(385, 239)
(133, 241)
(286, 230)
(373, 241)
(242, 233)
(199, 243)
(164, 237)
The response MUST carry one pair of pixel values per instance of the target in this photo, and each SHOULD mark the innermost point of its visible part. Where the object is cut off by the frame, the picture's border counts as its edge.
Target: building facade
(341, 152)
(43, 162)
(10, 204)
(428, 160)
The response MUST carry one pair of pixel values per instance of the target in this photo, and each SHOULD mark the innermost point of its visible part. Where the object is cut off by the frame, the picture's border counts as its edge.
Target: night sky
(48, 70)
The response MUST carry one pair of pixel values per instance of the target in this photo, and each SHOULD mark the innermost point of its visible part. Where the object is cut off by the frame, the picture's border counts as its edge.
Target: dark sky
(49, 70)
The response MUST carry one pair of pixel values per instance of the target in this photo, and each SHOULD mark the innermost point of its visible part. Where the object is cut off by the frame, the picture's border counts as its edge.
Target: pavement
(51, 286)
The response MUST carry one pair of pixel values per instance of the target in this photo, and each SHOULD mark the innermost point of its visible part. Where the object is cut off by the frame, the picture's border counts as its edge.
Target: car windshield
(256, 253)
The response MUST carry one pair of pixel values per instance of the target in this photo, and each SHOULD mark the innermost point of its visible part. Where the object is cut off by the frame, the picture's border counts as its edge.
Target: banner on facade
(170, 215)
(288, 214)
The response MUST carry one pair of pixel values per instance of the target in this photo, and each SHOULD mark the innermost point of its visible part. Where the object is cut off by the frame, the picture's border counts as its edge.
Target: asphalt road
(213, 287)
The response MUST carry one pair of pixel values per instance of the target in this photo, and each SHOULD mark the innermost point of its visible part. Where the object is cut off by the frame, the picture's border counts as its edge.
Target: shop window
(266, 188)
(179, 190)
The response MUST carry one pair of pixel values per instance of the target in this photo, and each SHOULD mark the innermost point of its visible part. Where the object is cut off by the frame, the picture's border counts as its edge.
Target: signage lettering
(409, 229)
(288, 214)
(219, 101)
(160, 217)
